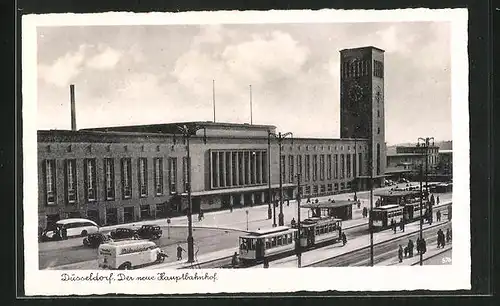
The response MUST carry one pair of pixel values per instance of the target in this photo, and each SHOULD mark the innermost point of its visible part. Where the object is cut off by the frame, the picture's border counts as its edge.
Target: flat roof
(327, 204)
(361, 48)
(390, 206)
(396, 193)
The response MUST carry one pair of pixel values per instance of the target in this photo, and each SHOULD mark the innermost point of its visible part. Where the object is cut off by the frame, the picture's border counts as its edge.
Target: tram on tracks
(278, 242)
(399, 206)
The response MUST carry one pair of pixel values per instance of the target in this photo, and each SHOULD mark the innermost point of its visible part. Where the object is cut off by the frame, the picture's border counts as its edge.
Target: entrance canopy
(236, 190)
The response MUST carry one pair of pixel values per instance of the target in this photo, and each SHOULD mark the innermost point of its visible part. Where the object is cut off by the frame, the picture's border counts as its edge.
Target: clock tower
(362, 101)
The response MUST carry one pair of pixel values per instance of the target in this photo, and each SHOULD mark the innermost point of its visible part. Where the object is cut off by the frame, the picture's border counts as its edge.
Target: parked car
(123, 233)
(149, 232)
(94, 240)
(69, 228)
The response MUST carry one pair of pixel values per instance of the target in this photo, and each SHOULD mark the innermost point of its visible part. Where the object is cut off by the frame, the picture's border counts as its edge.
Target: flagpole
(213, 96)
(251, 111)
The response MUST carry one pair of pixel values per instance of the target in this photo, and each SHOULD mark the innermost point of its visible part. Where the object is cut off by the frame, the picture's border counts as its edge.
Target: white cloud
(210, 34)
(63, 69)
(265, 56)
(105, 60)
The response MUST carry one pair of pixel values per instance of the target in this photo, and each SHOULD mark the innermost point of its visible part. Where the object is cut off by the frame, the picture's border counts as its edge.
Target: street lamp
(269, 195)
(280, 137)
(426, 144)
(188, 130)
(298, 248)
(421, 217)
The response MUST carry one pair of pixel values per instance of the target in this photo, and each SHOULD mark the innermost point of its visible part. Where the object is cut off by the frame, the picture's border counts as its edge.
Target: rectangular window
(308, 189)
(354, 164)
(290, 168)
(336, 164)
(142, 170)
(315, 167)
(315, 189)
(247, 167)
(241, 168)
(109, 178)
(322, 167)
(329, 187)
(70, 180)
(322, 189)
(222, 173)
(158, 172)
(264, 167)
(185, 169)
(126, 178)
(329, 167)
(172, 174)
(348, 162)
(282, 160)
(228, 168)
(50, 181)
(252, 167)
(215, 170)
(258, 169)
(234, 170)
(342, 166)
(299, 164)
(307, 167)
(90, 179)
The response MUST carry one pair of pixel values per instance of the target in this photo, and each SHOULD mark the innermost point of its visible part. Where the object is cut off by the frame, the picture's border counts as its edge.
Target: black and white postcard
(239, 152)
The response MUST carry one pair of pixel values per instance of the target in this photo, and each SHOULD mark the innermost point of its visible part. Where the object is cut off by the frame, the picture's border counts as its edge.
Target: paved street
(217, 231)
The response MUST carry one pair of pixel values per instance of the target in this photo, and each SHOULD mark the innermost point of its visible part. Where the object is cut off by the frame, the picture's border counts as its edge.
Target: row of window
(329, 168)
(90, 179)
(359, 68)
(238, 168)
(327, 188)
(325, 229)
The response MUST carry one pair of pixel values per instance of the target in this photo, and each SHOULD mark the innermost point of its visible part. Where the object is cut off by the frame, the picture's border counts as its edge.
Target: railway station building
(116, 175)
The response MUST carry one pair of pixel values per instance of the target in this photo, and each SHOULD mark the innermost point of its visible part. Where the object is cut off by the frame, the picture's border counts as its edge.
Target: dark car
(149, 232)
(123, 233)
(95, 239)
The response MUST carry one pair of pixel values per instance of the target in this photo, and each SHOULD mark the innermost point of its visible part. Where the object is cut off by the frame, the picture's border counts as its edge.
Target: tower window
(378, 69)
(378, 130)
(378, 113)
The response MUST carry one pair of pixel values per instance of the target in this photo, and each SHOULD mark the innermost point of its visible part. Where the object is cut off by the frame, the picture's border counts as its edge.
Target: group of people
(442, 239)
(394, 225)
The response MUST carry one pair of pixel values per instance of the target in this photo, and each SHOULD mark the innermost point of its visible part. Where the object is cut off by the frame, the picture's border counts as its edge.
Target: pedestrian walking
(64, 233)
(160, 257)
(266, 263)
(410, 248)
(234, 261)
(437, 200)
(406, 251)
(438, 216)
(344, 239)
(179, 252)
(231, 208)
(448, 235)
(401, 225)
(393, 225)
(419, 245)
(439, 239)
(400, 253)
(292, 223)
(424, 246)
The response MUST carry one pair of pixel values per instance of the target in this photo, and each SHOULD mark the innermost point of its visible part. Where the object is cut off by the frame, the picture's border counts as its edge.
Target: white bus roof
(387, 207)
(285, 230)
(269, 230)
(128, 242)
(73, 220)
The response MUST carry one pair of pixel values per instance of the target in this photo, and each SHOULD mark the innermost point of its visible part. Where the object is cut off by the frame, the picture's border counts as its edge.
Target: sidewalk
(312, 257)
(226, 218)
(433, 251)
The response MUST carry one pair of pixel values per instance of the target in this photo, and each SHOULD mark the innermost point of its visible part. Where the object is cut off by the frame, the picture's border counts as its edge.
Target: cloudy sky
(155, 74)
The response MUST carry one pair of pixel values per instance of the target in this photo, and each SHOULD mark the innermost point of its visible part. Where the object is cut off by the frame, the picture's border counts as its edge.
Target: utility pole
(270, 191)
(370, 220)
(299, 250)
(280, 137)
(187, 132)
(426, 142)
(421, 217)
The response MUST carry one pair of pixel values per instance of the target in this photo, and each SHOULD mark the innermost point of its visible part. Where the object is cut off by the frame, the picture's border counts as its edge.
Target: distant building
(116, 175)
(445, 164)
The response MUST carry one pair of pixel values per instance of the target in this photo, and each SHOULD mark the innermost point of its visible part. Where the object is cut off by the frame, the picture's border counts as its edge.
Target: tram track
(351, 232)
(383, 249)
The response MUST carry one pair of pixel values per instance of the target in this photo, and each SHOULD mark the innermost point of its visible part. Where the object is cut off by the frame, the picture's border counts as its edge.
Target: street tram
(267, 244)
(409, 200)
(382, 216)
(317, 231)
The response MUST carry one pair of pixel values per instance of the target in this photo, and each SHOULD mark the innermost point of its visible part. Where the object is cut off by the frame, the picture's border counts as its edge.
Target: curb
(379, 243)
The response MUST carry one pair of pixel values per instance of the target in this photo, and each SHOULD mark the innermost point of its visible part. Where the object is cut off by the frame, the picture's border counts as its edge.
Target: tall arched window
(378, 158)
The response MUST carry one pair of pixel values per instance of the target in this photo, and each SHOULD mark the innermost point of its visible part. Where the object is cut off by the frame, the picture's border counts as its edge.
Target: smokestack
(73, 111)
